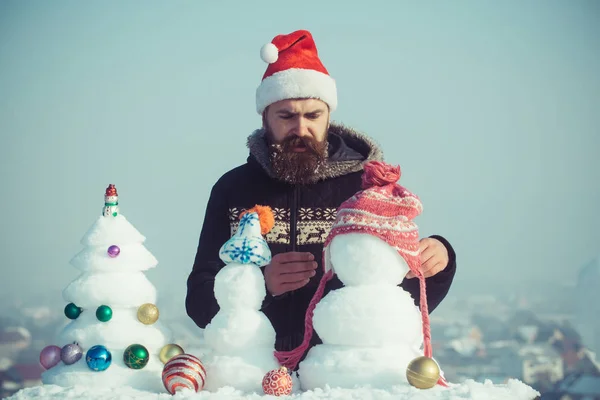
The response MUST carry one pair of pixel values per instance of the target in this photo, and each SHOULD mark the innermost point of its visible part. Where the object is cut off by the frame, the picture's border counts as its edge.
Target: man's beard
(297, 167)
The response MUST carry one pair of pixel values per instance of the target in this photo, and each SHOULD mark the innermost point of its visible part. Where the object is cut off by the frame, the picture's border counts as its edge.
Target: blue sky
(492, 109)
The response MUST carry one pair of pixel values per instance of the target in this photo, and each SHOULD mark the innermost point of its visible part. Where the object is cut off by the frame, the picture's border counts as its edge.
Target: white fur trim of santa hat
(296, 83)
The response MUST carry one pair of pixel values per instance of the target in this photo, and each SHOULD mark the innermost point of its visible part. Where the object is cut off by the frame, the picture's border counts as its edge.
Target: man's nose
(301, 128)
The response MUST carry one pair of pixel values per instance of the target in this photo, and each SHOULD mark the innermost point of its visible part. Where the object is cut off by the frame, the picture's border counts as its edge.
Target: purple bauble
(113, 251)
(50, 356)
(71, 353)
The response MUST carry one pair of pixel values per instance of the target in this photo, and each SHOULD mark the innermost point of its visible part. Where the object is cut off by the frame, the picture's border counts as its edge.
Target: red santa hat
(294, 72)
(383, 209)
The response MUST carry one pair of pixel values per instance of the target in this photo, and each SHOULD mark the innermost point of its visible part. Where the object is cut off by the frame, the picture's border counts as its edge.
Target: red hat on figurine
(111, 190)
(294, 72)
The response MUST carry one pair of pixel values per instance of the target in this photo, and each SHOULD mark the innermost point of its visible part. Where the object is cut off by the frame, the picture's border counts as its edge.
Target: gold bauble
(423, 373)
(169, 351)
(147, 313)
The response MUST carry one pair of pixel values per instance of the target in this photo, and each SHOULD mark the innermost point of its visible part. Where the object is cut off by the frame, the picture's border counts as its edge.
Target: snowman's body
(111, 206)
(371, 328)
(240, 337)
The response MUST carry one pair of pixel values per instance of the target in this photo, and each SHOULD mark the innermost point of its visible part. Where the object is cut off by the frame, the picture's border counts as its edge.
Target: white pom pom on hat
(269, 53)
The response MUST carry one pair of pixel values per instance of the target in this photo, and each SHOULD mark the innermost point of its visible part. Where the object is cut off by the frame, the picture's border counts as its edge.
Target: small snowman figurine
(371, 330)
(111, 202)
(240, 338)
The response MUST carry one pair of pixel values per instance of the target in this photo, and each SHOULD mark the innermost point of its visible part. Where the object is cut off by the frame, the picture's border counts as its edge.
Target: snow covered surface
(513, 390)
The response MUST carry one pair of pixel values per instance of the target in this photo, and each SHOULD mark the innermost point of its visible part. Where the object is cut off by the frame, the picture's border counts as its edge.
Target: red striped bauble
(183, 371)
(277, 382)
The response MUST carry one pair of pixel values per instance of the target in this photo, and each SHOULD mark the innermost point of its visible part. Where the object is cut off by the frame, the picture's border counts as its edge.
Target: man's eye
(312, 116)
(285, 116)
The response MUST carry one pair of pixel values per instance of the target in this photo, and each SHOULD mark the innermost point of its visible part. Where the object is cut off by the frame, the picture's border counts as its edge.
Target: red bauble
(183, 371)
(277, 382)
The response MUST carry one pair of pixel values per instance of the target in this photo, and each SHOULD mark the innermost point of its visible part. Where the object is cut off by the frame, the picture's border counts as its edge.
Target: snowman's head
(364, 259)
(111, 199)
(110, 194)
(374, 237)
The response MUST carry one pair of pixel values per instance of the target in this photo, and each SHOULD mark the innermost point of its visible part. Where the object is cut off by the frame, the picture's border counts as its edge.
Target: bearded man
(303, 167)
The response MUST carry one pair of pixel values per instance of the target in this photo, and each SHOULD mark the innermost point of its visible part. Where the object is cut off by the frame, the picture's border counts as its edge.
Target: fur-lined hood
(349, 150)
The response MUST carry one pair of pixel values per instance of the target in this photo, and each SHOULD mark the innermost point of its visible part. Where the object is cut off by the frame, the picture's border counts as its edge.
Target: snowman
(240, 338)
(111, 202)
(370, 328)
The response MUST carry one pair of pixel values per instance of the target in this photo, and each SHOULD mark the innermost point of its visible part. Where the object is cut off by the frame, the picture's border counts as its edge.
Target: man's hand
(289, 271)
(434, 257)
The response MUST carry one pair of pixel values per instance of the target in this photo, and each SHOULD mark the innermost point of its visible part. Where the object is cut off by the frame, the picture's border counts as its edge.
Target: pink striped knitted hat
(383, 209)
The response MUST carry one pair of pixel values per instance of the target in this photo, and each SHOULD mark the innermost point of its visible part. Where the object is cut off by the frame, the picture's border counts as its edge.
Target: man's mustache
(293, 142)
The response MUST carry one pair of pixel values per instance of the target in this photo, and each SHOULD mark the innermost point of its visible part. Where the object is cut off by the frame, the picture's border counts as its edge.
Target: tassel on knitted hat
(383, 209)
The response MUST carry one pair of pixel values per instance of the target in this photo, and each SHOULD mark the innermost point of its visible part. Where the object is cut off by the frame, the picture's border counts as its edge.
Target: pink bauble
(50, 356)
(183, 371)
(277, 382)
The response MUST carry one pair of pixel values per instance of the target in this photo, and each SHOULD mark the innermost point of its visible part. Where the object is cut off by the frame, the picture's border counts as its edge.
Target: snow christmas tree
(114, 338)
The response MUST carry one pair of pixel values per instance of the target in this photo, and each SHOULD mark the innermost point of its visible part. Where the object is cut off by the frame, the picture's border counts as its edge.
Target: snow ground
(513, 390)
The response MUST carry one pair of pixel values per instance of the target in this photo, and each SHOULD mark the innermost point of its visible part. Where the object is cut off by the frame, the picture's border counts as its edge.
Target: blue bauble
(98, 358)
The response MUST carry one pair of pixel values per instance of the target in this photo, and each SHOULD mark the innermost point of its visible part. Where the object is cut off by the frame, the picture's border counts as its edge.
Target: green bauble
(72, 311)
(104, 313)
(136, 356)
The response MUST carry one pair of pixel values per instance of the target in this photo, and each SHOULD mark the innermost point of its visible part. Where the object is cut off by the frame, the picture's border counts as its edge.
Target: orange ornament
(277, 382)
(265, 216)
